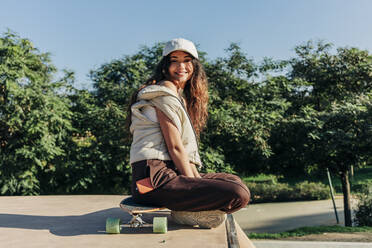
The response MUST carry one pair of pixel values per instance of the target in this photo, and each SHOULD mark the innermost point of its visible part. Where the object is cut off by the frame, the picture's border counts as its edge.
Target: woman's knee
(232, 177)
(240, 194)
(244, 194)
(233, 187)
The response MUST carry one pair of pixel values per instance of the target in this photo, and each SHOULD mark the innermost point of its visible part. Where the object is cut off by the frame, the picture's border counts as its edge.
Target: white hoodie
(148, 141)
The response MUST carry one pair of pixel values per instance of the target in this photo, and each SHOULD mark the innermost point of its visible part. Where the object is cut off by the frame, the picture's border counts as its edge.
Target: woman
(167, 115)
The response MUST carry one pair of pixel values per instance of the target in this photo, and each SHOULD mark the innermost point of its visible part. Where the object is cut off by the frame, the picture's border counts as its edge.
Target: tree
(117, 80)
(328, 125)
(343, 139)
(242, 112)
(323, 78)
(97, 160)
(34, 117)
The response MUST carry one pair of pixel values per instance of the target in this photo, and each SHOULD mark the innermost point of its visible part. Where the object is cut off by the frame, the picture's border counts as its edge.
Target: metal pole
(352, 172)
(332, 195)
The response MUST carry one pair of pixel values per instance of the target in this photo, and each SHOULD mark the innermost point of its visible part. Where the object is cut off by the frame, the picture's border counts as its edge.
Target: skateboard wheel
(160, 225)
(113, 225)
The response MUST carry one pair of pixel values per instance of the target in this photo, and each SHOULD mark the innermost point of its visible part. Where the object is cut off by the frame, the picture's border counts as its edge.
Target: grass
(298, 232)
(362, 175)
(261, 178)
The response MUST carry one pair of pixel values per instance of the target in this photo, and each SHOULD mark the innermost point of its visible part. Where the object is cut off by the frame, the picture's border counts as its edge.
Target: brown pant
(177, 192)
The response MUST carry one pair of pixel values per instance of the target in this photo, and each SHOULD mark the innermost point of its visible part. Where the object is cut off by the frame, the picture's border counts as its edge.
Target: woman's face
(181, 68)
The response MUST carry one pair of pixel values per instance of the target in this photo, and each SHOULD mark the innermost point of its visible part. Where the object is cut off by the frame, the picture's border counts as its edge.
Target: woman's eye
(185, 61)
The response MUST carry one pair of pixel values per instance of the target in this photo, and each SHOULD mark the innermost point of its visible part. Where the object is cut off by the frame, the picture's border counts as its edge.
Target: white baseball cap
(180, 44)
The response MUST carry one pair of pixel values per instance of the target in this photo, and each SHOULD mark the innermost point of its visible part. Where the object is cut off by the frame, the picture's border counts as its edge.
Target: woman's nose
(181, 65)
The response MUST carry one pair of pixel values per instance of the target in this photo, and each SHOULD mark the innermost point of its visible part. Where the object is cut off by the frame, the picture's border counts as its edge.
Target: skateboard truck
(136, 221)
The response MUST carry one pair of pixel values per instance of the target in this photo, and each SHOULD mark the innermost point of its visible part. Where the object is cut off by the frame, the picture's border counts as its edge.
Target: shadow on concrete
(87, 224)
(289, 223)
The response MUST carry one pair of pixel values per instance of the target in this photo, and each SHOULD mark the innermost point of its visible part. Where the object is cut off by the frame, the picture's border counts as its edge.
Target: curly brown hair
(196, 92)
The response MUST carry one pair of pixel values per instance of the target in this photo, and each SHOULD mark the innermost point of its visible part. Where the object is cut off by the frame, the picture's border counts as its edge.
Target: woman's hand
(195, 170)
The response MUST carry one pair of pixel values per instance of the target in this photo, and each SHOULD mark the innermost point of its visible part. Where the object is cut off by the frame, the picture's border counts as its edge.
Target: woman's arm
(174, 144)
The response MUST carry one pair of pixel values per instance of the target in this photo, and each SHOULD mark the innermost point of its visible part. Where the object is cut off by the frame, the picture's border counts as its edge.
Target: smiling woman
(180, 69)
(166, 117)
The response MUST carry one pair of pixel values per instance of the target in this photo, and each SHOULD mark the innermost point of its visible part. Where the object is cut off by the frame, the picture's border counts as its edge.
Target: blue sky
(83, 34)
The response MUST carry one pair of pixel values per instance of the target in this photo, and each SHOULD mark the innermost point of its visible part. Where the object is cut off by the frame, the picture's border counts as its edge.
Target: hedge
(280, 192)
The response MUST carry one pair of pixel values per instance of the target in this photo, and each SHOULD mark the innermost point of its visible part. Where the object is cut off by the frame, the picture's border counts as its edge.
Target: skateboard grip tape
(144, 185)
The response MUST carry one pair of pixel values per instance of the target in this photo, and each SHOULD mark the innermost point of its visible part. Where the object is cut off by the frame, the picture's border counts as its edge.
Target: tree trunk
(346, 191)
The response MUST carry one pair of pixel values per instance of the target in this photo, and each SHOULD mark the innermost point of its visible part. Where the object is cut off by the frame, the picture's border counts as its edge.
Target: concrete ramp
(79, 221)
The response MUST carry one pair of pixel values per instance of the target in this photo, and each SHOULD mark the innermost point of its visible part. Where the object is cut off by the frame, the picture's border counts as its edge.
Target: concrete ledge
(79, 221)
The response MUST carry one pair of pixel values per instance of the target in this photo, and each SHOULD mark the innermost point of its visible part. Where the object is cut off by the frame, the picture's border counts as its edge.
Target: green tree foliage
(329, 123)
(325, 77)
(97, 156)
(34, 117)
(242, 112)
(342, 139)
(117, 80)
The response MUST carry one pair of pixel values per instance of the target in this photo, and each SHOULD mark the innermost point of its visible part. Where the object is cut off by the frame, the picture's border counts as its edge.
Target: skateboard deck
(132, 207)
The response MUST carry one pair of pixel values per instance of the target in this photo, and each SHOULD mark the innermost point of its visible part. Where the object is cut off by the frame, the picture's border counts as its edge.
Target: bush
(362, 187)
(279, 192)
(214, 160)
(263, 192)
(310, 191)
(363, 213)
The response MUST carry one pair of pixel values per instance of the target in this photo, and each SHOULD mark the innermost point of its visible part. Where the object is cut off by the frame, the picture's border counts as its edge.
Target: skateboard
(114, 225)
(160, 224)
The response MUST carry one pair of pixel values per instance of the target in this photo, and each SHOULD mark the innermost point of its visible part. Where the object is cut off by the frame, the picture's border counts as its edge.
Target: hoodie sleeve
(172, 108)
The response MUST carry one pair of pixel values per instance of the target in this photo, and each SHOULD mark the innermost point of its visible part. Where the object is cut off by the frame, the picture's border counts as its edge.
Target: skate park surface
(79, 221)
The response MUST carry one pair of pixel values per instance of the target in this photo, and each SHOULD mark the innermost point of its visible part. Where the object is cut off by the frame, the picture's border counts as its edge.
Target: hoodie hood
(153, 91)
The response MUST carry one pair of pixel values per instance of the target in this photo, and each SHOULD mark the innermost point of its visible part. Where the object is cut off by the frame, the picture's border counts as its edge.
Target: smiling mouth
(181, 73)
